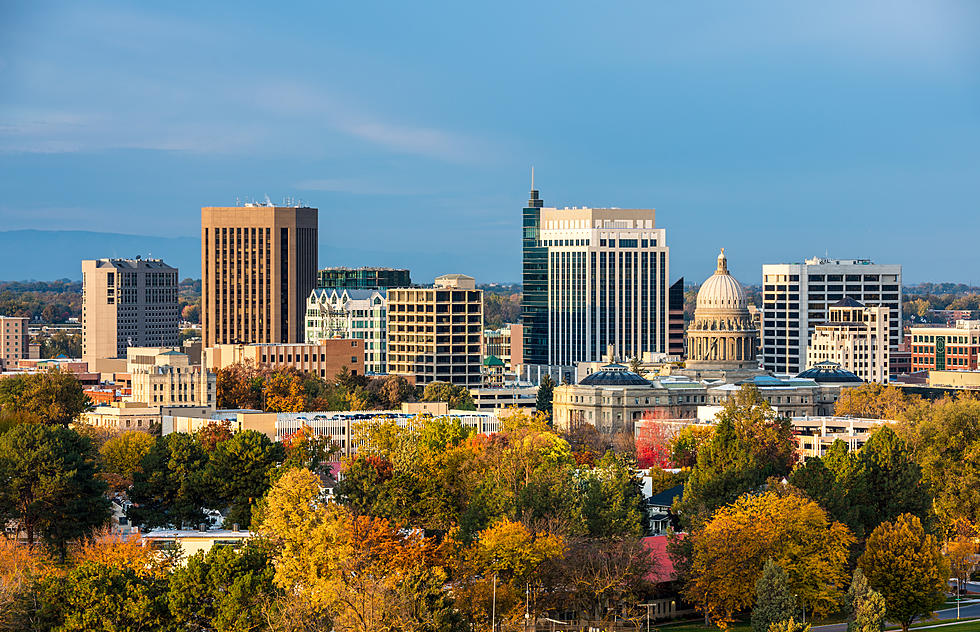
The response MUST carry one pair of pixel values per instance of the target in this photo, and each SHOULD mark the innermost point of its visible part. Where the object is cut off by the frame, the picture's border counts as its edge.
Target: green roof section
(492, 360)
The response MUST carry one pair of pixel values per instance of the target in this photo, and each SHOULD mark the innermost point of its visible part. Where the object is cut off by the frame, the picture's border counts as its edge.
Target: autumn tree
(53, 397)
(284, 393)
(905, 565)
(961, 552)
(838, 484)
(653, 443)
(123, 454)
(240, 385)
(238, 472)
(865, 608)
(213, 433)
(728, 555)
(873, 401)
(774, 602)
(456, 396)
(688, 443)
(304, 448)
(49, 485)
(750, 443)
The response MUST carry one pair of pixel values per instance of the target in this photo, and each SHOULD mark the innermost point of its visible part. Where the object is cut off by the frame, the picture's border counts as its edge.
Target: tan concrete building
(435, 334)
(855, 337)
(165, 377)
(506, 343)
(14, 340)
(127, 303)
(258, 266)
(325, 359)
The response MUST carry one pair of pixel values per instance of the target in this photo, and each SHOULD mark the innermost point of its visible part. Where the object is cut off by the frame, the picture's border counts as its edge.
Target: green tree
(865, 608)
(223, 590)
(239, 470)
(53, 397)
(838, 485)
(123, 454)
(48, 484)
(99, 598)
(170, 489)
(456, 395)
(612, 502)
(774, 601)
(546, 391)
(893, 478)
(905, 565)
(750, 443)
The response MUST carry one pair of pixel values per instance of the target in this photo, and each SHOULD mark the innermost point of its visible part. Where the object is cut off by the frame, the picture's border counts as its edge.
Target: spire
(722, 263)
(534, 201)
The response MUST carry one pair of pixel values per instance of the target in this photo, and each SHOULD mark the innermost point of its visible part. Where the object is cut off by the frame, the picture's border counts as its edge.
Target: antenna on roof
(532, 177)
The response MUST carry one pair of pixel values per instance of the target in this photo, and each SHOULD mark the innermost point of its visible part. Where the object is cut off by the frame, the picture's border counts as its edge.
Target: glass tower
(534, 301)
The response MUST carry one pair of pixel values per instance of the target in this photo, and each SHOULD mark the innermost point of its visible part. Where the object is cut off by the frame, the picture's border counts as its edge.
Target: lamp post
(493, 615)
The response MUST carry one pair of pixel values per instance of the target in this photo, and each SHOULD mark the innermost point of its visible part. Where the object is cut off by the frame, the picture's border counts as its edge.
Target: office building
(14, 340)
(360, 314)
(675, 318)
(363, 278)
(166, 377)
(593, 277)
(796, 297)
(435, 334)
(127, 303)
(855, 337)
(325, 359)
(258, 267)
(506, 343)
(945, 348)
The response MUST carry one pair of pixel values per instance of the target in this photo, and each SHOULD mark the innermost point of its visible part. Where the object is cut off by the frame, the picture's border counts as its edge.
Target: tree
(306, 449)
(284, 393)
(750, 443)
(213, 433)
(53, 397)
(123, 454)
(838, 484)
(961, 553)
(893, 478)
(395, 389)
(240, 386)
(224, 589)
(904, 564)
(789, 625)
(612, 502)
(239, 470)
(729, 552)
(874, 401)
(774, 603)
(48, 484)
(653, 444)
(106, 548)
(170, 489)
(865, 608)
(687, 444)
(456, 395)
(546, 391)
(95, 597)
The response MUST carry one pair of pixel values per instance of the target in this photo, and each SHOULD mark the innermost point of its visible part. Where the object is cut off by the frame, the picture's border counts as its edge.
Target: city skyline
(820, 130)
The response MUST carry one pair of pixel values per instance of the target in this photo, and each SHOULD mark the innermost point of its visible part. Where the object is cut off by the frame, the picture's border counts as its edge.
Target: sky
(779, 130)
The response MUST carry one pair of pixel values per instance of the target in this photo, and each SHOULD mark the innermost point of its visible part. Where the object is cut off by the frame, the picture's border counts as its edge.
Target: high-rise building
(435, 334)
(675, 318)
(258, 267)
(854, 337)
(594, 278)
(363, 278)
(127, 303)
(14, 340)
(360, 314)
(796, 297)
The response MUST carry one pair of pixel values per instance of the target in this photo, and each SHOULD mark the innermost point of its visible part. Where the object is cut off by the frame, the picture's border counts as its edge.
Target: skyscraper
(127, 303)
(796, 297)
(594, 279)
(258, 266)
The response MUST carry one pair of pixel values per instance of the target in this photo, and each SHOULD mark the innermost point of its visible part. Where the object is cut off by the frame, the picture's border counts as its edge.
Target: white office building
(856, 338)
(796, 297)
(363, 314)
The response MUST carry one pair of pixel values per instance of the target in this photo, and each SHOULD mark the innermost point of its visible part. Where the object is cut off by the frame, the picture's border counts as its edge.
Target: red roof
(663, 570)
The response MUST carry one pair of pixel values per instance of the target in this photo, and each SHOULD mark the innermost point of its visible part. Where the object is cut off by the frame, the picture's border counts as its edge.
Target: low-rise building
(854, 336)
(325, 359)
(506, 343)
(190, 542)
(962, 380)
(955, 348)
(516, 395)
(360, 314)
(815, 435)
(165, 377)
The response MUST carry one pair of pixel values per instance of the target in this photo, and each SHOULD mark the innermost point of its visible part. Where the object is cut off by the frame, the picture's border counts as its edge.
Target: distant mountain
(57, 254)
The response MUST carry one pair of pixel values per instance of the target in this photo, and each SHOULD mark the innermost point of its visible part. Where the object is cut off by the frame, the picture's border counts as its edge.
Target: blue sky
(775, 129)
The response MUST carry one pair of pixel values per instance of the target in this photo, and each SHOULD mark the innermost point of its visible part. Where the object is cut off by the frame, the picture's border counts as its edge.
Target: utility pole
(493, 616)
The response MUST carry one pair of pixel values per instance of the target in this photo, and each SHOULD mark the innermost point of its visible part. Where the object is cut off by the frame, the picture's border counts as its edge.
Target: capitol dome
(721, 290)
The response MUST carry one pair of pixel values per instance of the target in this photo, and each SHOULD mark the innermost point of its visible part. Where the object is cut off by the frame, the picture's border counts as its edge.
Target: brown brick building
(324, 359)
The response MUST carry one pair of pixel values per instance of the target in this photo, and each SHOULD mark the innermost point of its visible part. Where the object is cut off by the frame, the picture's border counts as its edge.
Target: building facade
(675, 318)
(166, 377)
(127, 303)
(506, 343)
(325, 359)
(722, 340)
(436, 334)
(258, 267)
(593, 278)
(855, 337)
(796, 297)
(363, 278)
(953, 348)
(14, 340)
(361, 314)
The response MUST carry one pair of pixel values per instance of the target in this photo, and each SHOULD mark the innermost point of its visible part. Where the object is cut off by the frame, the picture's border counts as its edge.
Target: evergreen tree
(546, 390)
(170, 487)
(774, 603)
(865, 608)
(894, 480)
(239, 472)
(48, 484)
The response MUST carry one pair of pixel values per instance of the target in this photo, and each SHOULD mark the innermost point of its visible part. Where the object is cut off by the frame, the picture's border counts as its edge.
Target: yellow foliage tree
(121, 551)
(284, 394)
(729, 553)
(874, 401)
